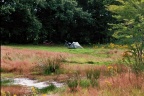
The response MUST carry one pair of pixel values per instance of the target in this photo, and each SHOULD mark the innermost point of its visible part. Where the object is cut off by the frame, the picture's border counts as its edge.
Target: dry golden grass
(124, 81)
(22, 61)
(121, 85)
(16, 90)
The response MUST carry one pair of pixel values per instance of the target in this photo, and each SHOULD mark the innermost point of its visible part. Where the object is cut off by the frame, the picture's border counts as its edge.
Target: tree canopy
(33, 21)
(130, 27)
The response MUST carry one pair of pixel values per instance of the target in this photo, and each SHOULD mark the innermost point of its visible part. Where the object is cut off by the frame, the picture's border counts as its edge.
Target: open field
(96, 71)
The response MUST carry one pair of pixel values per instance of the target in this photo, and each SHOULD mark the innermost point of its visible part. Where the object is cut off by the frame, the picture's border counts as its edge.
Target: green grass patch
(7, 75)
(58, 48)
(90, 62)
(6, 82)
(85, 83)
(51, 87)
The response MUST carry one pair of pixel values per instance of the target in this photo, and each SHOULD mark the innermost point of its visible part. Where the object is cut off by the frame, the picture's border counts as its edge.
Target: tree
(98, 30)
(63, 19)
(33, 21)
(18, 21)
(130, 29)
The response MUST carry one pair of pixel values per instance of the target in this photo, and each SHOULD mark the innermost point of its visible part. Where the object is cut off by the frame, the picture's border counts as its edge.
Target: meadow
(91, 71)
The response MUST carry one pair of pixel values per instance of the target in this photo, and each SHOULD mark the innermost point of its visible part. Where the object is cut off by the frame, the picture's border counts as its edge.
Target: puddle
(35, 83)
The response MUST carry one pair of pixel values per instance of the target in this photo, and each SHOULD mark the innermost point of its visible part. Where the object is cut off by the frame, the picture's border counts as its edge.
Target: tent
(73, 45)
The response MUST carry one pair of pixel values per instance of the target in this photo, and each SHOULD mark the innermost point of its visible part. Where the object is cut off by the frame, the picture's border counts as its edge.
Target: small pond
(28, 82)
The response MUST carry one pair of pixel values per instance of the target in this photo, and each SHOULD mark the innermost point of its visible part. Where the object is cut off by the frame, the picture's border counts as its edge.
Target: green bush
(89, 74)
(138, 68)
(94, 83)
(48, 66)
(93, 74)
(134, 59)
(72, 84)
(85, 83)
(96, 74)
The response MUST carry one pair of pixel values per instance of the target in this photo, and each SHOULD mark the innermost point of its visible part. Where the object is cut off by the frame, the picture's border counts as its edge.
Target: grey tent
(73, 45)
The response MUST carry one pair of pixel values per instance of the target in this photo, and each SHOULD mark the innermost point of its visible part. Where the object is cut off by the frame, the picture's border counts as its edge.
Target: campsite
(72, 47)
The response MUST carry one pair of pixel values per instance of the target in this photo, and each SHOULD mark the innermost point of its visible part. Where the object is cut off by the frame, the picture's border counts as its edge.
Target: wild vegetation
(80, 76)
(111, 69)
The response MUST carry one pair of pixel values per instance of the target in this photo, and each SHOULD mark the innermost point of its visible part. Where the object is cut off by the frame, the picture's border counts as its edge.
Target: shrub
(94, 83)
(52, 65)
(133, 57)
(138, 68)
(96, 74)
(72, 84)
(49, 65)
(93, 74)
(85, 83)
(89, 74)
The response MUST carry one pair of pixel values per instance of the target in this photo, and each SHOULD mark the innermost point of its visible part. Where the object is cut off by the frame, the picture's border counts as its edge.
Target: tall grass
(15, 90)
(114, 79)
(24, 61)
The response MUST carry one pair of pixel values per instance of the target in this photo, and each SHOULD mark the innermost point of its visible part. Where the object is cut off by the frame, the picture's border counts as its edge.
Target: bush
(134, 58)
(94, 83)
(96, 74)
(138, 68)
(48, 66)
(85, 83)
(72, 84)
(89, 74)
(93, 74)
(52, 65)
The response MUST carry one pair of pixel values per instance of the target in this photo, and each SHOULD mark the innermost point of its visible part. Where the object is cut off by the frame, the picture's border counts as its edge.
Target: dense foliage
(33, 21)
(130, 29)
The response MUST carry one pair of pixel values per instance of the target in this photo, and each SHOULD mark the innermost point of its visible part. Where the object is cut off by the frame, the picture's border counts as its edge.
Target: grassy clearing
(58, 48)
(94, 51)
(101, 67)
(88, 55)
